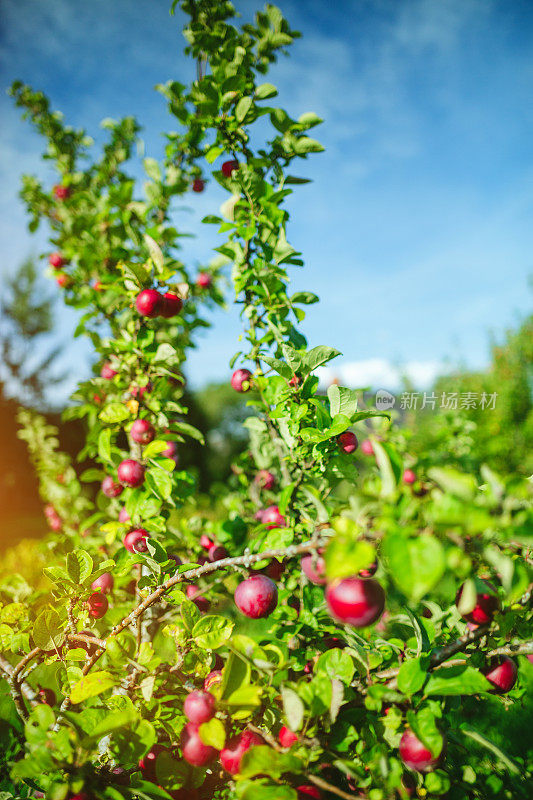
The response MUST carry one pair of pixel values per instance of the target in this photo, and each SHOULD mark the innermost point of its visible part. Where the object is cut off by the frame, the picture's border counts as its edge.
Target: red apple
(265, 479)
(367, 572)
(142, 432)
(487, 604)
(356, 601)
(287, 737)
(199, 707)
(147, 763)
(314, 569)
(194, 751)
(63, 280)
(110, 488)
(347, 442)
(124, 516)
(198, 185)
(415, 755)
(217, 552)
(107, 372)
(228, 167)
(231, 755)
(275, 569)
(149, 303)
(201, 602)
(256, 597)
(139, 391)
(502, 672)
(97, 605)
(203, 281)
(294, 381)
(367, 447)
(61, 192)
(306, 790)
(272, 518)
(206, 542)
(135, 541)
(409, 476)
(171, 451)
(241, 380)
(130, 473)
(171, 305)
(46, 696)
(104, 583)
(214, 677)
(56, 260)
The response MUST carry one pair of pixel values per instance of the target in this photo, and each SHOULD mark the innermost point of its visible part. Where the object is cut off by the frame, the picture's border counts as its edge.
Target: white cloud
(380, 373)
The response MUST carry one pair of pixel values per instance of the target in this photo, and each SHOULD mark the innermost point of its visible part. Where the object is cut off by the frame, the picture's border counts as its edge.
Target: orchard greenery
(342, 621)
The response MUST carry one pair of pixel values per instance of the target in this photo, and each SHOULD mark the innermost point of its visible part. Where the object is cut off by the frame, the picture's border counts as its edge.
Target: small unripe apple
(149, 303)
(130, 473)
(356, 601)
(61, 192)
(56, 260)
(409, 476)
(135, 541)
(487, 603)
(107, 372)
(347, 442)
(502, 672)
(201, 602)
(415, 755)
(148, 762)
(367, 572)
(314, 569)
(287, 737)
(170, 451)
(194, 751)
(214, 677)
(97, 605)
(124, 516)
(265, 479)
(307, 790)
(241, 380)
(231, 755)
(105, 583)
(142, 432)
(171, 305)
(203, 281)
(367, 447)
(110, 488)
(63, 280)
(46, 696)
(198, 185)
(228, 167)
(256, 597)
(199, 707)
(272, 518)
(217, 553)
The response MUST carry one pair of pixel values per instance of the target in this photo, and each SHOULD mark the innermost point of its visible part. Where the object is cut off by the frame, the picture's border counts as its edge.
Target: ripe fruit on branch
(56, 260)
(198, 185)
(347, 442)
(124, 516)
(241, 380)
(206, 542)
(231, 755)
(107, 372)
(170, 451)
(147, 763)
(356, 601)
(502, 672)
(486, 604)
(130, 473)
(217, 552)
(201, 602)
(214, 677)
(228, 167)
(194, 751)
(287, 737)
(105, 583)
(409, 476)
(367, 447)
(110, 488)
(97, 605)
(171, 305)
(265, 479)
(415, 755)
(306, 790)
(142, 432)
(46, 696)
(274, 569)
(63, 280)
(367, 572)
(314, 569)
(149, 303)
(256, 597)
(139, 391)
(61, 192)
(203, 281)
(135, 541)
(199, 707)
(272, 518)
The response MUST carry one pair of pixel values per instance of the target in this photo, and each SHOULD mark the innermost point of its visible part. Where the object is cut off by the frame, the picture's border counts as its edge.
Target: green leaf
(265, 90)
(412, 675)
(159, 482)
(213, 733)
(390, 473)
(92, 685)
(114, 412)
(263, 760)
(242, 108)
(478, 737)
(424, 726)
(304, 145)
(46, 632)
(79, 566)
(104, 444)
(342, 400)
(335, 663)
(279, 366)
(155, 251)
(262, 789)
(293, 708)
(165, 352)
(457, 680)
(346, 554)
(171, 774)
(211, 632)
(188, 430)
(305, 298)
(415, 565)
(151, 168)
(318, 356)
(454, 482)
(309, 119)
(114, 720)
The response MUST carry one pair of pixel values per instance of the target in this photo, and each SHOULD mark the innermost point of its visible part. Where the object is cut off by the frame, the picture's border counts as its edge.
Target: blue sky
(416, 230)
